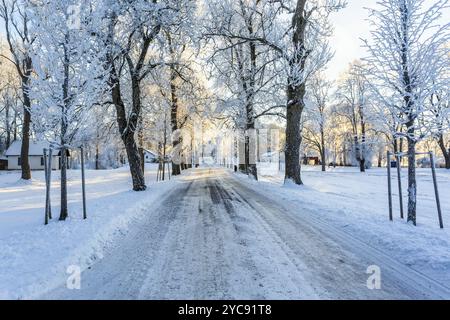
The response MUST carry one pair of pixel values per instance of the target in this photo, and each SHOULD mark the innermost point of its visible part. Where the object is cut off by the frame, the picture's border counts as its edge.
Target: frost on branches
(68, 75)
(300, 36)
(408, 58)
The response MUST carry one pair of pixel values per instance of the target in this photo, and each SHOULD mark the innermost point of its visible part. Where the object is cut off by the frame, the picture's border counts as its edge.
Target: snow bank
(33, 257)
(357, 203)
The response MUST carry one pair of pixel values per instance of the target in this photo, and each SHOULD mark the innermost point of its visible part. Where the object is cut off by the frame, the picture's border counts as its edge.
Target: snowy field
(358, 203)
(32, 255)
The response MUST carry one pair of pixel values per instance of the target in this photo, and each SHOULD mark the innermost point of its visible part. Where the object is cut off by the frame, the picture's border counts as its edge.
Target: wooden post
(388, 159)
(160, 174)
(169, 167)
(157, 171)
(279, 160)
(46, 187)
(83, 183)
(49, 174)
(436, 191)
(399, 176)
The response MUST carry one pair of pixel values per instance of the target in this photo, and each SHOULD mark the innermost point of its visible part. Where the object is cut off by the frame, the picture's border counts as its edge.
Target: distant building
(36, 156)
(150, 156)
(311, 159)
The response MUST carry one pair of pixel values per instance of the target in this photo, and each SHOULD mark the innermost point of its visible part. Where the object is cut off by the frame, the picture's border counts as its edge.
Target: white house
(36, 156)
(150, 156)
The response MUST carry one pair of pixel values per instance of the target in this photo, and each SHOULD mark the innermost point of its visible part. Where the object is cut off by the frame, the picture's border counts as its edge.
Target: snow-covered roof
(154, 154)
(36, 148)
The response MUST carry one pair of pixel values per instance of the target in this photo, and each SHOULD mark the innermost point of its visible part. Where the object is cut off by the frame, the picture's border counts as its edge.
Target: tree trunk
(409, 111)
(412, 186)
(344, 155)
(64, 213)
(359, 155)
(126, 133)
(24, 152)
(322, 149)
(142, 157)
(176, 168)
(293, 134)
(444, 150)
(380, 158)
(362, 162)
(64, 125)
(141, 142)
(249, 164)
(176, 142)
(134, 161)
(362, 165)
(15, 125)
(164, 147)
(447, 160)
(395, 145)
(7, 124)
(295, 96)
(97, 157)
(128, 125)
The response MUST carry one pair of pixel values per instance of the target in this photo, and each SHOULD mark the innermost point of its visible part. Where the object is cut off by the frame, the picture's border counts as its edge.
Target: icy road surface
(212, 237)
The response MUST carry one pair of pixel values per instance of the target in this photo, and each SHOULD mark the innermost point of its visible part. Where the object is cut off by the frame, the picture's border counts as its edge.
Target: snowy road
(212, 237)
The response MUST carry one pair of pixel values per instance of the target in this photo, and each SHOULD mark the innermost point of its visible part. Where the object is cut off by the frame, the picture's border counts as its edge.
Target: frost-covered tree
(133, 34)
(16, 23)
(353, 105)
(10, 106)
(244, 68)
(132, 28)
(69, 74)
(296, 31)
(316, 130)
(407, 52)
(303, 44)
(178, 82)
(440, 108)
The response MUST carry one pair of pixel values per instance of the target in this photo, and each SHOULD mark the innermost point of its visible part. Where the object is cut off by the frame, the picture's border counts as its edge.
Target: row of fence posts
(398, 157)
(48, 156)
(160, 175)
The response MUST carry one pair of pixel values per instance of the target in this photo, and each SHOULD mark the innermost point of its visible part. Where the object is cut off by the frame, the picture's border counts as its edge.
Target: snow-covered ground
(218, 237)
(32, 255)
(358, 203)
(214, 234)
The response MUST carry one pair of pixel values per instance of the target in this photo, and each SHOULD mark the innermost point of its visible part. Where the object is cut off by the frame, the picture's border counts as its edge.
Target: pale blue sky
(350, 26)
